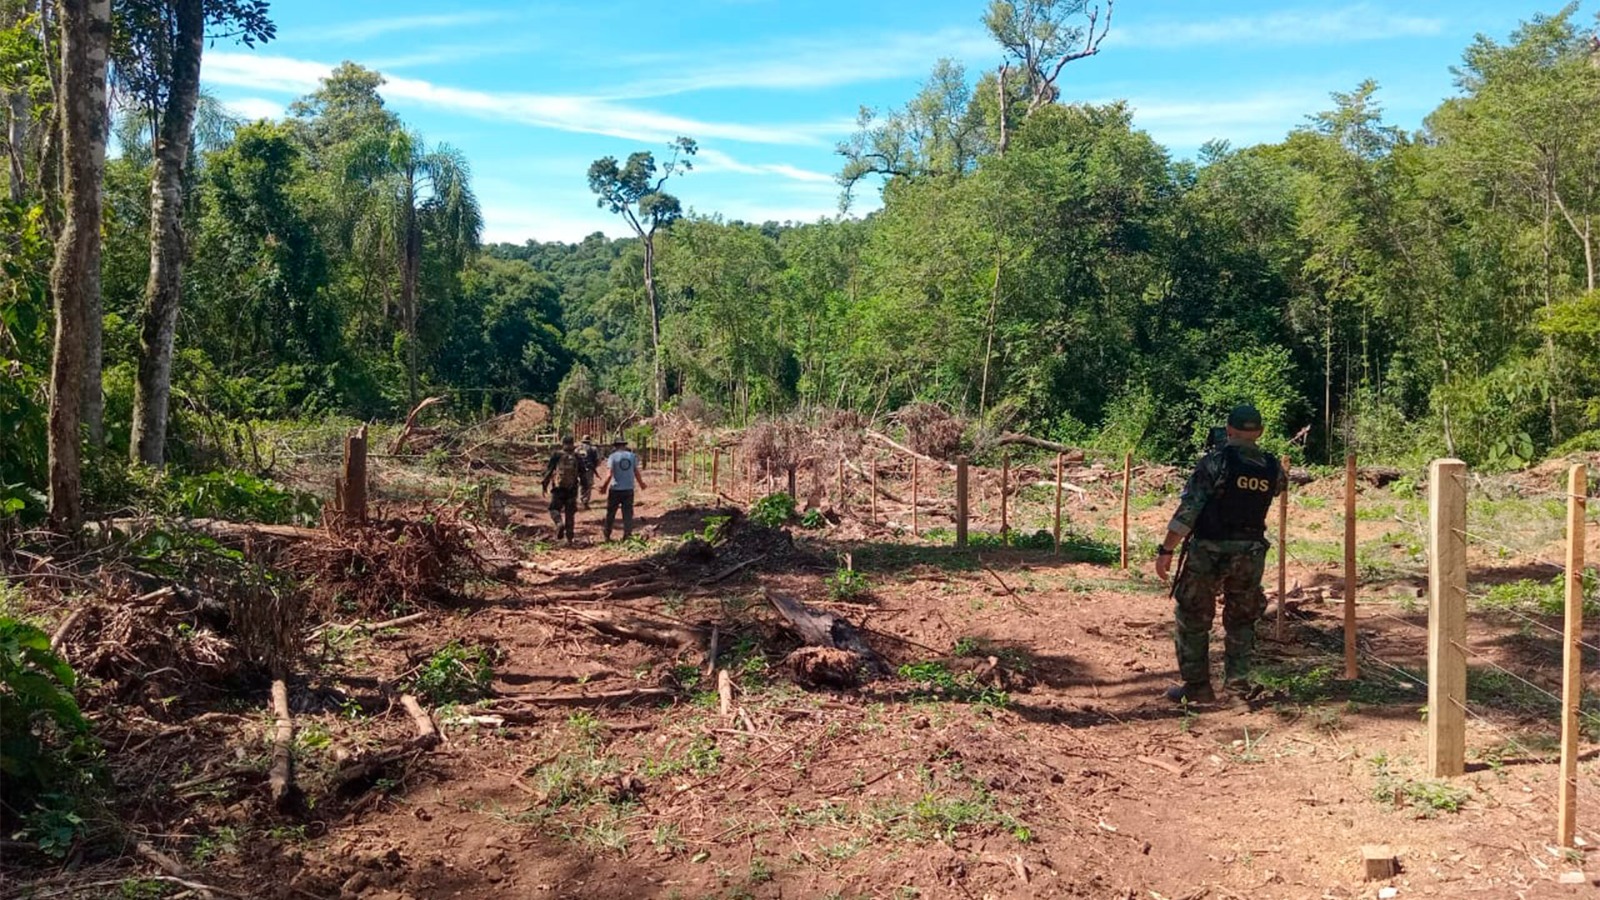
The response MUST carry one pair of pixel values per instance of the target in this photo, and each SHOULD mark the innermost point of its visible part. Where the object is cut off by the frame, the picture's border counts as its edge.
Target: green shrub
(848, 584)
(456, 673)
(813, 520)
(773, 510)
(45, 746)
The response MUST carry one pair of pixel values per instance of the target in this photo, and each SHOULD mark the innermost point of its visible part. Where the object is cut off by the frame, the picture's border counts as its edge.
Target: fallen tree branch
(598, 697)
(896, 445)
(281, 777)
(632, 627)
(427, 732)
(65, 627)
(411, 422)
(732, 569)
(1074, 454)
(174, 868)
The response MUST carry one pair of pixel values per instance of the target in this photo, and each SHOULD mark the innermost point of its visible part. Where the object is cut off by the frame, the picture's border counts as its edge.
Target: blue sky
(533, 92)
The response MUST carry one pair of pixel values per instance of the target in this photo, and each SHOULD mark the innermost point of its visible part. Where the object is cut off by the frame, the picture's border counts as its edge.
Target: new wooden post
(792, 491)
(1127, 482)
(842, 500)
(1447, 618)
(674, 462)
(716, 464)
(353, 485)
(1351, 669)
(914, 531)
(1005, 486)
(1283, 546)
(1061, 467)
(961, 501)
(1572, 656)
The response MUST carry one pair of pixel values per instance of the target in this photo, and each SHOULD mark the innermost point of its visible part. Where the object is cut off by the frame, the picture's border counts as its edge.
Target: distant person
(564, 477)
(1222, 523)
(622, 471)
(589, 455)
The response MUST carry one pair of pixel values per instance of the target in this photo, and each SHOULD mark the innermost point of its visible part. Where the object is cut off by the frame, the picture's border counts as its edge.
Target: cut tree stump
(824, 629)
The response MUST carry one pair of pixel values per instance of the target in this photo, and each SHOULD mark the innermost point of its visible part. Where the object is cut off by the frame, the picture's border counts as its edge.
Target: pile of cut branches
(931, 430)
(387, 566)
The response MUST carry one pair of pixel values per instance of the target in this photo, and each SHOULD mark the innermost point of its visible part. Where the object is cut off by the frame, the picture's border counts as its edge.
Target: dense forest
(1037, 264)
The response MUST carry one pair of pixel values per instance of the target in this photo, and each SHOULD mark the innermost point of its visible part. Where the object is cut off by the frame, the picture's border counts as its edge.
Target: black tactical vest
(1238, 510)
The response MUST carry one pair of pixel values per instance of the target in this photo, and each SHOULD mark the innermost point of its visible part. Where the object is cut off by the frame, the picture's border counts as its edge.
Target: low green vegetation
(849, 585)
(934, 681)
(455, 673)
(1425, 798)
(773, 510)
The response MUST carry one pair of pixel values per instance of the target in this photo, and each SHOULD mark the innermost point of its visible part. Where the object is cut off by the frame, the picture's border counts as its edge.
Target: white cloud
(1348, 24)
(710, 160)
(1185, 124)
(367, 29)
(574, 113)
(799, 64)
(253, 108)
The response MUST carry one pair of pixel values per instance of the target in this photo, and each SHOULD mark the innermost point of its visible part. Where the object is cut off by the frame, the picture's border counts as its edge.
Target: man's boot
(1192, 693)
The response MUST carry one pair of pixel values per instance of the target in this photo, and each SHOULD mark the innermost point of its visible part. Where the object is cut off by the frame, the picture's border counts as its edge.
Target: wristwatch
(1163, 551)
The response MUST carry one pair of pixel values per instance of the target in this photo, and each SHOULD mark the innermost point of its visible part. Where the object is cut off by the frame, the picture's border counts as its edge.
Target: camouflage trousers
(1232, 568)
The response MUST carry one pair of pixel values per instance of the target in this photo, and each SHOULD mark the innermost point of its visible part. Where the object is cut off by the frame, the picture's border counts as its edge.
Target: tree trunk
(988, 332)
(85, 46)
(408, 280)
(655, 318)
(159, 319)
(16, 144)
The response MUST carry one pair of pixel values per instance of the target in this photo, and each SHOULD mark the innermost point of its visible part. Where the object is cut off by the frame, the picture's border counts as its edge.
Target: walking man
(1222, 524)
(589, 455)
(563, 478)
(622, 471)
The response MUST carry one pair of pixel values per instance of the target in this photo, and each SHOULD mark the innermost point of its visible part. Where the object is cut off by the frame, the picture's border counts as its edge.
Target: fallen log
(824, 629)
(281, 776)
(732, 569)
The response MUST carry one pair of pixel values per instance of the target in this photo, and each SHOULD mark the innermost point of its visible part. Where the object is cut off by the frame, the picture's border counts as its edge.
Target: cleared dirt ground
(1017, 747)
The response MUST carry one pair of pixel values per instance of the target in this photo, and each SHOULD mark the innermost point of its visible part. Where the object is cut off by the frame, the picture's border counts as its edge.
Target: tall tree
(85, 46)
(634, 192)
(1039, 38)
(159, 60)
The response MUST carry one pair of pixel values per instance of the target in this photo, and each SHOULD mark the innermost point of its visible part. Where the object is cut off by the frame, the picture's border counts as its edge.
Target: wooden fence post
(961, 501)
(914, 531)
(793, 493)
(1447, 618)
(353, 484)
(1005, 486)
(1127, 483)
(843, 502)
(1061, 466)
(674, 462)
(716, 464)
(1572, 656)
(1283, 546)
(1351, 669)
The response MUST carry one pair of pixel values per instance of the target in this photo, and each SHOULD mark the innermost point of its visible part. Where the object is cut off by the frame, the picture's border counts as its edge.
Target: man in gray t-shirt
(622, 471)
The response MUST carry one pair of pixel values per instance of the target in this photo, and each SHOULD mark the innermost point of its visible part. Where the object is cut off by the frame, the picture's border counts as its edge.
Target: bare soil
(1019, 747)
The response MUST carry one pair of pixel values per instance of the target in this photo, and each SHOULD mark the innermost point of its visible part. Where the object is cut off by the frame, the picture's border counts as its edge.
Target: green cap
(1244, 418)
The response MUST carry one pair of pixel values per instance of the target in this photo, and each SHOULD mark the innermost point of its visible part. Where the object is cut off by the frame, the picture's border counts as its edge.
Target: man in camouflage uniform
(1223, 518)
